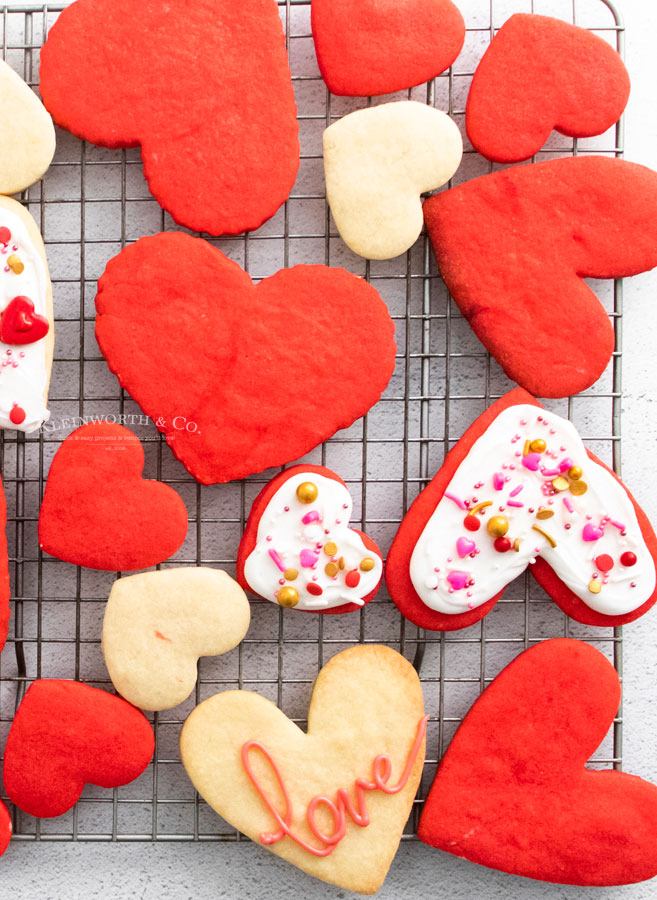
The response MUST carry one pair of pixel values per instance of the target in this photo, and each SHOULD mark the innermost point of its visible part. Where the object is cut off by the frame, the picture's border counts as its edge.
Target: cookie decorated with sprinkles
(520, 489)
(298, 549)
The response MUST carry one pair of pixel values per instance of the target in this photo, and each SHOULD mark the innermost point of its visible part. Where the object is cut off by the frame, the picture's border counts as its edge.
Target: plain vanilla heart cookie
(381, 46)
(27, 138)
(377, 162)
(65, 735)
(203, 87)
(100, 512)
(521, 489)
(298, 549)
(27, 326)
(513, 791)
(158, 624)
(522, 288)
(334, 801)
(537, 74)
(241, 377)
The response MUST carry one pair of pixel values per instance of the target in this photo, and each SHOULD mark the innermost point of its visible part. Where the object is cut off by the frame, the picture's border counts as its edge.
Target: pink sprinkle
(436, 569)
(279, 562)
(550, 473)
(281, 581)
(15, 247)
(286, 508)
(618, 525)
(632, 583)
(516, 490)
(552, 431)
(512, 467)
(458, 580)
(268, 538)
(566, 464)
(455, 499)
(517, 453)
(539, 419)
(516, 503)
(567, 526)
(308, 559)
(345, 506)
(523, 421)
(469, 594)
(568, 505)
(532, 461)
(6, 268)
(501, 508)
(498, 481)
(311, 516)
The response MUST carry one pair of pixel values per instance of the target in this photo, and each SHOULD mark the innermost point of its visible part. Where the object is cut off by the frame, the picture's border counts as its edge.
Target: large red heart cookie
(240, 377)
(99, 512)
(515, 246)
(520, 489)
(65, 735)
(513, 791)
(380, 46)
(540, 73)
(203, 87)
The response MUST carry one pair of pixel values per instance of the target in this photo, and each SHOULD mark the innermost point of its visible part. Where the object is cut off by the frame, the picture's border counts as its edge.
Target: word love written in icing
(338, 810)
(527, 488)
(306, 556)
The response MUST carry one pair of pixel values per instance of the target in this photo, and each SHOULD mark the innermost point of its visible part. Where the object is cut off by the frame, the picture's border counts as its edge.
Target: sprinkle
(15, 264)
(479, 506)
(352, 578)
(565, 464)
(569, 506)
(548, 537)
(616, 524)
(532, 461)
(604, 562)
(516, 491)
(458, 580)
(516, 503)
(330, 548)
(550, 473)
(592, 533)
(545, 514)
(279, 562)
(315, 589)
(287, 596)
(628, 558)
(560, 483)
(341, 563)
(367, 564)
(527, 447)
(312, 516)
(578, 488)
(498, 481)
(331, 569)
(455, 499)
(308, 558)
(290, 574)
(594, 586)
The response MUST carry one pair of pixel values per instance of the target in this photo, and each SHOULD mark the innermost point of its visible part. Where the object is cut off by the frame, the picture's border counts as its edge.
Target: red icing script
(381, 771)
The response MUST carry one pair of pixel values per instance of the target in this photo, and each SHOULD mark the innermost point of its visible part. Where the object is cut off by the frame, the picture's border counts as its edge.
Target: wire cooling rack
(91, 203)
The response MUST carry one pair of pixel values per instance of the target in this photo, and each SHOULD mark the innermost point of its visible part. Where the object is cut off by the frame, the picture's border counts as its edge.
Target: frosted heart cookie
(377, 162)
(520, 489)
(334, 801)
(158, 624)
(5, 591)
(27, 138)
(27, 330)
(298, 549)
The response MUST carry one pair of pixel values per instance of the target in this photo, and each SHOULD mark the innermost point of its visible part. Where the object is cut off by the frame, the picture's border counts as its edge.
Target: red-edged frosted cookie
(521, 489)
(203, 87)
(514, 248)
(513, 791)
(541, 73)
(298, 550)
(240, 377)
(98, 511)
(65, 735)
(381, 46)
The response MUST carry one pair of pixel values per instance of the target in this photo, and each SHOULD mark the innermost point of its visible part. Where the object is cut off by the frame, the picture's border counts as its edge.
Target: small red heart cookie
(99, 512)
(298, 550)
(521, 489)
(19, 324)
(240, 377)
(540, 73)
(381, 46)
(513, 791)
(65, 735)
(203, 87)
(514, 248)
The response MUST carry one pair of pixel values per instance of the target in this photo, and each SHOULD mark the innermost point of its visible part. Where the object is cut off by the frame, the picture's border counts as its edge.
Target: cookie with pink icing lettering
(520, 489)
(333, 800)
(298, 549)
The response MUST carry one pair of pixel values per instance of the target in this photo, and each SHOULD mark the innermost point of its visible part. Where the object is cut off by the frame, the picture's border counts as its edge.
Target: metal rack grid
(91, 203)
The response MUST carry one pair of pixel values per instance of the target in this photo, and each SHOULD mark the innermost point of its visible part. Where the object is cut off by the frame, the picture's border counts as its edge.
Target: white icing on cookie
(593, 522)
(23, 367)
(286, 542)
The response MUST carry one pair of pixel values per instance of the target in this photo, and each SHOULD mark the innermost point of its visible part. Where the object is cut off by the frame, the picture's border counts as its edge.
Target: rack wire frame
(442, 381)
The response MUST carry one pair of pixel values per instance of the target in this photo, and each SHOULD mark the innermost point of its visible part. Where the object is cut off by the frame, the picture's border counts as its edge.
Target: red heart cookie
(5, 828)
(540, 73)
(203, 87)
(381, 46)
(240, 377)
(298, 550)
(19, 324)
(515, 246)
(99, 512)
(513, 791)
(65, 735)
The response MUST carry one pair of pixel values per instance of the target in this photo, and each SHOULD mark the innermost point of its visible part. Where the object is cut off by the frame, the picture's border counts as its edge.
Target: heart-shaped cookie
(521, 489)
(537, 74)
(377, 162)
(65, 735)
(298, 550)
(514, 248)
(513, 791)
(240, 377)
(27, 138)
(333, 801)
(99, 512)
(381, 46)
(203, 87)
(158, 624)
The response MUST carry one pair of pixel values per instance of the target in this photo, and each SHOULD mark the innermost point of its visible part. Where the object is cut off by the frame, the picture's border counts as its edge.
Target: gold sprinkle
(498, 526)
(594, 586)
(307, 492)
(290, 574)
(288, 597)
(367, 564)
(331, 548)
(578, 488)
(475, 509)
(560, 483)
(516, 545)
(15, 264)
(575, 473)
(331, 569)
(545, 514)
(527, 448)
(341, 563)
(548, 537)
(538, 445)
